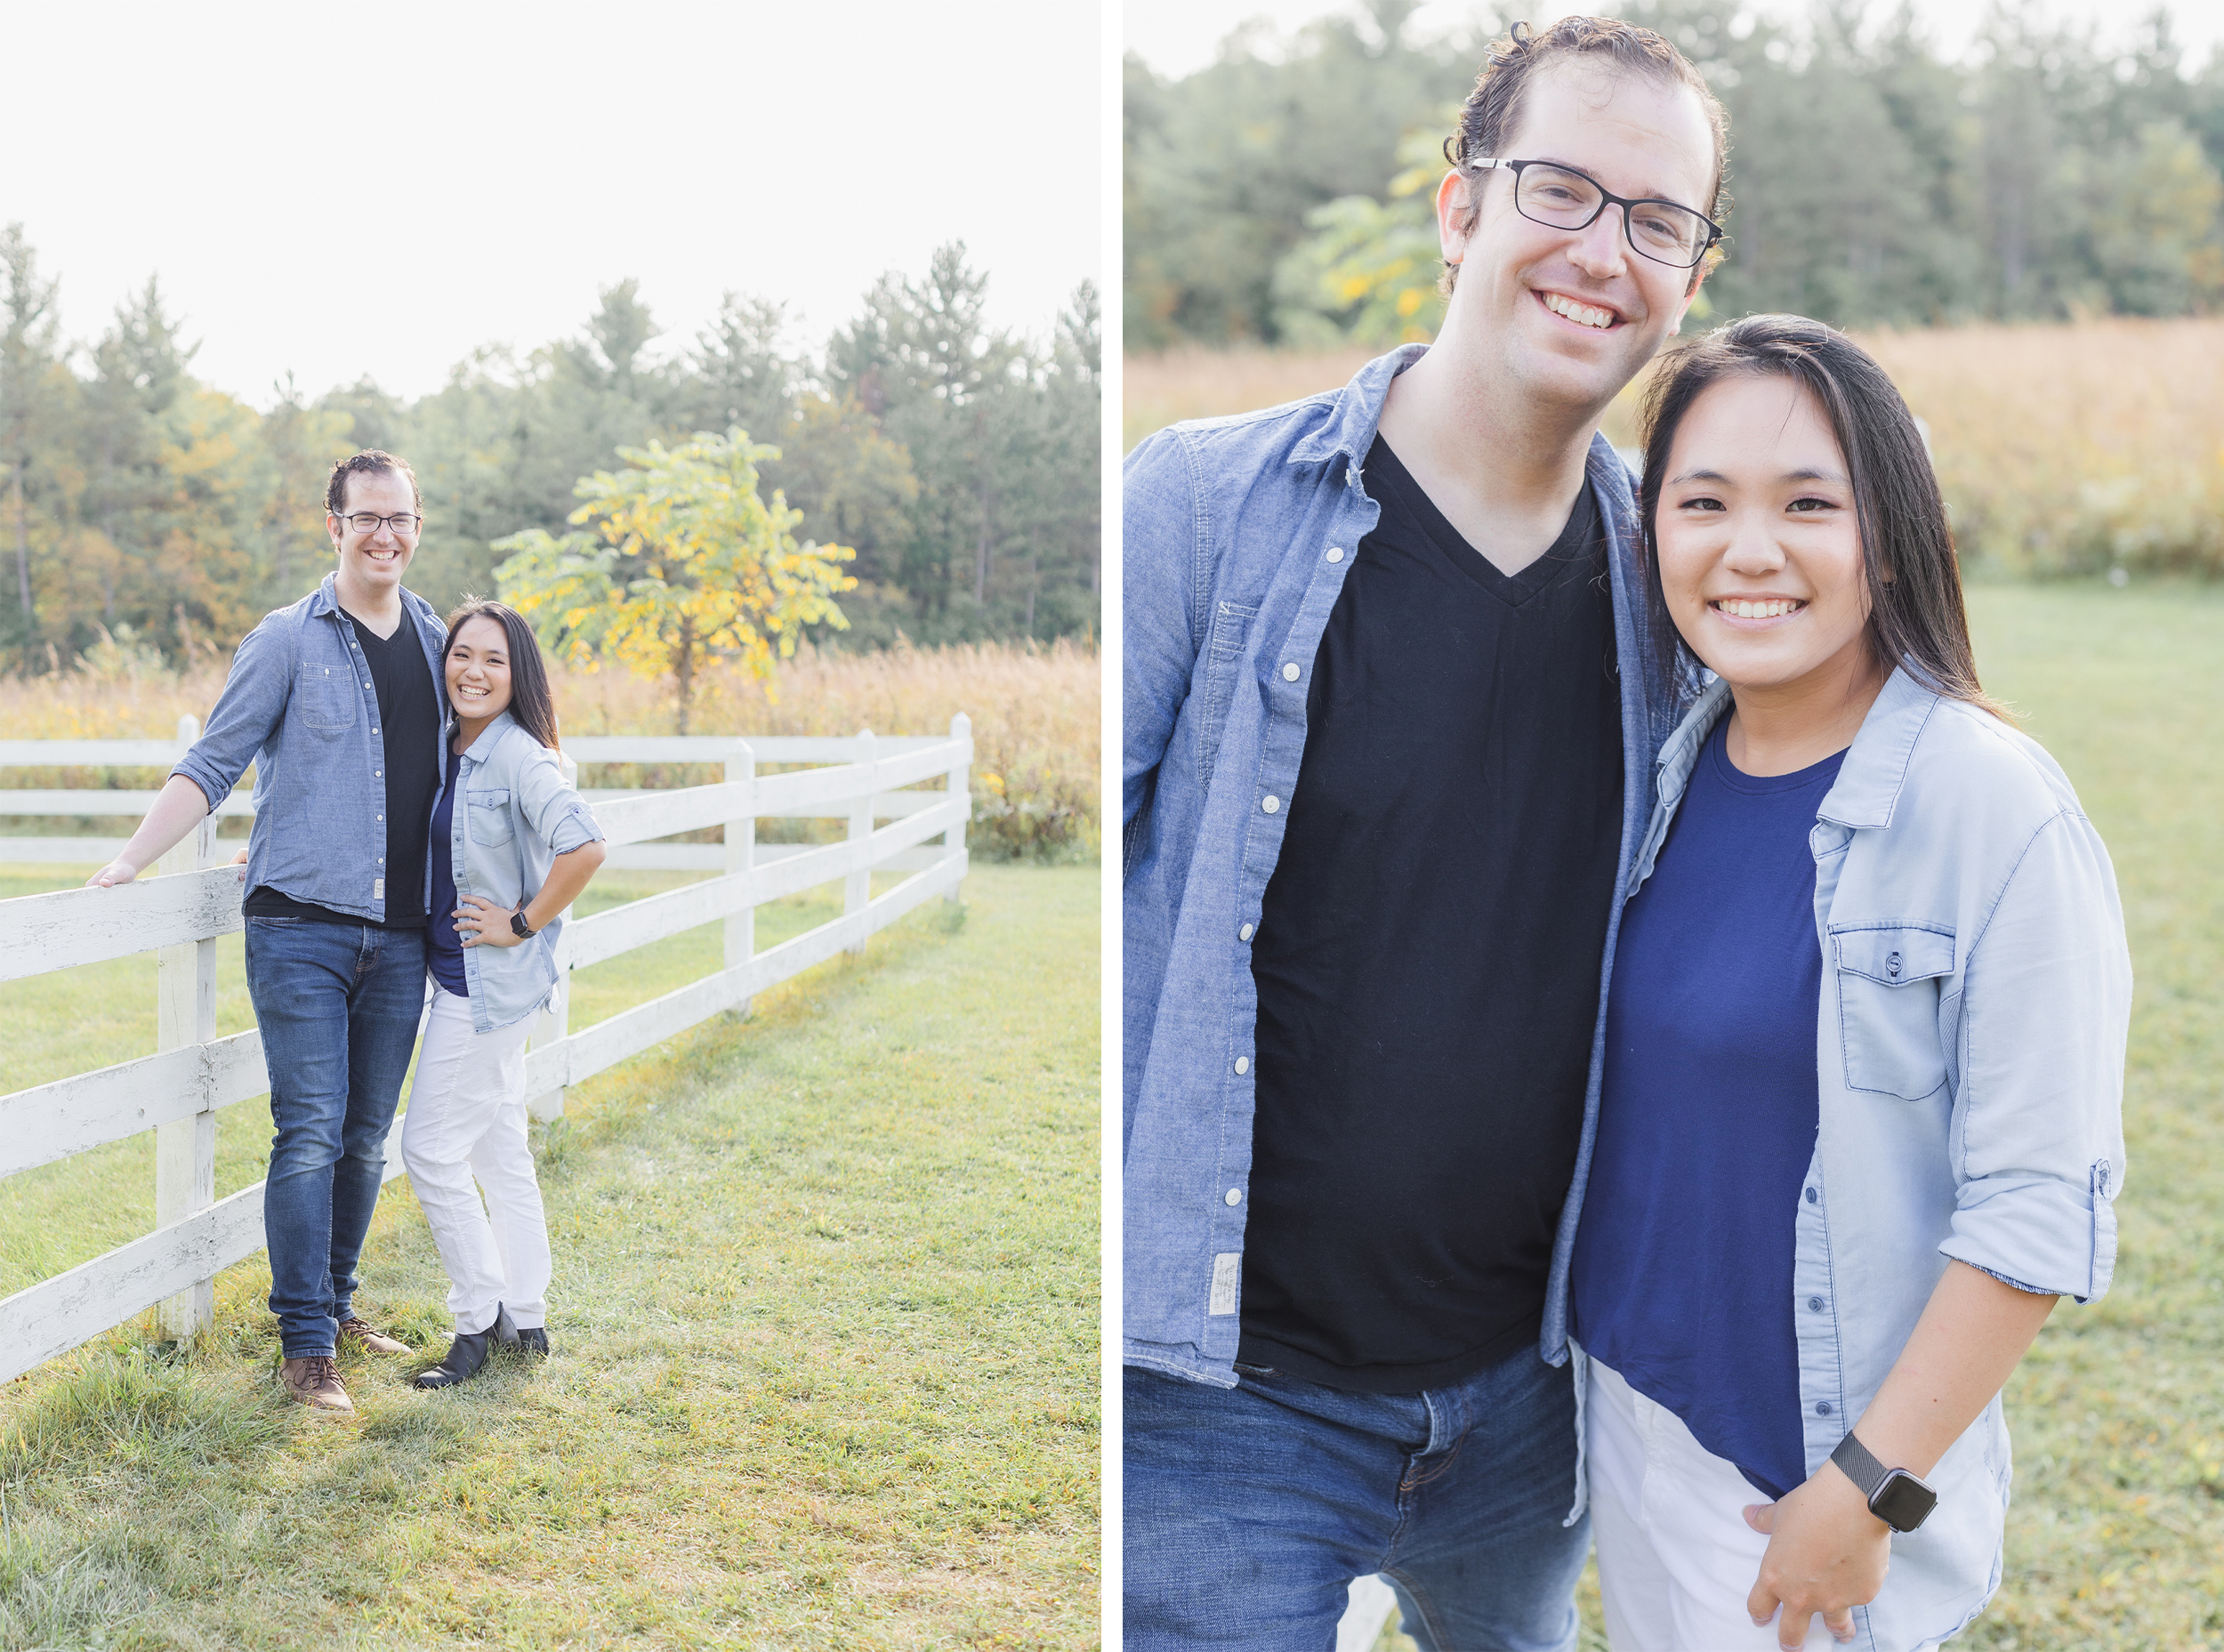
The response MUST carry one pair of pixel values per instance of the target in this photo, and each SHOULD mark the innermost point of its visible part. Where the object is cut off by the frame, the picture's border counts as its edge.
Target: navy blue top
(444, 947)
(1682, 1271)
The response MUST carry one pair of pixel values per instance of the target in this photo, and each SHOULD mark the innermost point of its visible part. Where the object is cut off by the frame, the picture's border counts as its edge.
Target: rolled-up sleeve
(247, 714)
(1162, 539)
(2038, 1125)
(557, 814)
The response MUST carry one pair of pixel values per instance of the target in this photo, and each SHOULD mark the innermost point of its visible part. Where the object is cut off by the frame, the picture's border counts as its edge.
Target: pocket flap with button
(1896, 956)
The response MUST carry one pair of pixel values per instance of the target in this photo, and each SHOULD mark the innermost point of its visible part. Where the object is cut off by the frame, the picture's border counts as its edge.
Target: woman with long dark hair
(1860, 1123)
(512, 846)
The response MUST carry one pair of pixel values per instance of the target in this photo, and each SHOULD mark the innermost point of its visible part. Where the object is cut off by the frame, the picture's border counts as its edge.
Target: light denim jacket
(1976, 994)
(1236, 535)
(513, 815)
(300, 706)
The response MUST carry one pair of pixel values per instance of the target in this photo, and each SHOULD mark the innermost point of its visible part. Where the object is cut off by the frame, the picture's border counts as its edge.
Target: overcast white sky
(1178, 36)
(343, 191)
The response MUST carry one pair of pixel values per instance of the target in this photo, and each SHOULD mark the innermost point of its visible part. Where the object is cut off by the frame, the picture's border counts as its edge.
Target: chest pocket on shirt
(1888, 1007)
(1223, 657)
(490, 816)
(325, 697)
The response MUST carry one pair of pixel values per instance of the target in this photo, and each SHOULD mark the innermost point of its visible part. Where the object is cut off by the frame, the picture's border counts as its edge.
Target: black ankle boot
(533, 1340)
(468, 1352)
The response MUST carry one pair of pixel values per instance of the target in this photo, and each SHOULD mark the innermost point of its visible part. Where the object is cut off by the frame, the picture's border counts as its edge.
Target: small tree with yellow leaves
(687, 562)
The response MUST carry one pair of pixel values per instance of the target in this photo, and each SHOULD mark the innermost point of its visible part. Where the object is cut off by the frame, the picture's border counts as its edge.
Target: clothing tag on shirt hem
(378, 889)
(1227, 1269)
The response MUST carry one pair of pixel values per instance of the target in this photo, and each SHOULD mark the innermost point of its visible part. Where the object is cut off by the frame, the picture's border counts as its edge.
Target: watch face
(1903, 1501)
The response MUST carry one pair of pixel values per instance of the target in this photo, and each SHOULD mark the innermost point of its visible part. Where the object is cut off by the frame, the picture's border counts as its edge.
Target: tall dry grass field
(2061, 449)
(1037, 733)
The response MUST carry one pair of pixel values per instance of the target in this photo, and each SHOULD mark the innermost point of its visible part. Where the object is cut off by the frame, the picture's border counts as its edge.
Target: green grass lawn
(2116, 1538)
(824, 1318)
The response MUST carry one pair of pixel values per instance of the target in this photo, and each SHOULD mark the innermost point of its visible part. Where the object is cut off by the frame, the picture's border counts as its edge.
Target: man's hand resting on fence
(179, 807)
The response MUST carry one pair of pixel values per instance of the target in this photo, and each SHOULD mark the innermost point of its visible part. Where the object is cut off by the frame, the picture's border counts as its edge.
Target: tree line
(1281, 195)
(959, 461)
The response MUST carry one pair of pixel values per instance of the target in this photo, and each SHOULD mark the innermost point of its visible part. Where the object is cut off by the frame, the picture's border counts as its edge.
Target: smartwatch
(1896, 1497)
(519, 927)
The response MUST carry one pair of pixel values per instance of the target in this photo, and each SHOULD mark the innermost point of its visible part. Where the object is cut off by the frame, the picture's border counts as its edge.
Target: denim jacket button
(1891, 965)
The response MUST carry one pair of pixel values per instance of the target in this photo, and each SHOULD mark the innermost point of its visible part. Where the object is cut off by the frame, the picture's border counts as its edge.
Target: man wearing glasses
(1391, 701)
(337, 702)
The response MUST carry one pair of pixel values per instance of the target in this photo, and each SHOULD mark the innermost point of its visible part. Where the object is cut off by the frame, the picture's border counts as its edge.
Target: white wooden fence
(177, 1090)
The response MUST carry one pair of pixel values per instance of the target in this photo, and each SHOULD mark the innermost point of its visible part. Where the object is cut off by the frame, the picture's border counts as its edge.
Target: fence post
(858, 892)
(741, 858)
(185, 1013)
(555, 1022)
(959, 784)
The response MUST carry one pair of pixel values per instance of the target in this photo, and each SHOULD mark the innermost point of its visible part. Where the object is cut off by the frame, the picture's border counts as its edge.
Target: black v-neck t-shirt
(1428, 954)
(409, 718)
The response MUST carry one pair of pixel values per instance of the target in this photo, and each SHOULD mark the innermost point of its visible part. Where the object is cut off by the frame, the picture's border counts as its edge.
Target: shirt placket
(1286, 680)
(376, 724)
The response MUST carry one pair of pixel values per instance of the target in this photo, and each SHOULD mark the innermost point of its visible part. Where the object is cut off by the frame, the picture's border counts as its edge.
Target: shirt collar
(1357, 412)
(1869, 781)
(489, 737)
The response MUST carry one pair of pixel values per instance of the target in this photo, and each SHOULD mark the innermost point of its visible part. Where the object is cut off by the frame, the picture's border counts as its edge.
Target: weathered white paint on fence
(177, 1090)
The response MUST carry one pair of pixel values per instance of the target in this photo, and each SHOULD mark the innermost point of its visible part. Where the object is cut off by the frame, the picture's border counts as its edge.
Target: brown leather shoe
(370, 1338)
(315, 1382)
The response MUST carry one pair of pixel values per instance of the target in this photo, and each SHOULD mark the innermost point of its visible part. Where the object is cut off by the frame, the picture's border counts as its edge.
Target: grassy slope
(824, 1317)
(2116, 1539)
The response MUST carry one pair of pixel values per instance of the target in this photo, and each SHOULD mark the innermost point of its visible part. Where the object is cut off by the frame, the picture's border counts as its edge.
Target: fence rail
(177, 1090)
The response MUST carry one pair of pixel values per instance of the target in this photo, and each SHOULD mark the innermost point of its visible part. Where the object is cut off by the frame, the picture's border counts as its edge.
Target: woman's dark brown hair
(531, 704)
(1916, 619)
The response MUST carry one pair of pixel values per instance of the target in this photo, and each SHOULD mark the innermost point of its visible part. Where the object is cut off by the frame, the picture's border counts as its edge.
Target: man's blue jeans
(338, 1004)
(1249, 1511)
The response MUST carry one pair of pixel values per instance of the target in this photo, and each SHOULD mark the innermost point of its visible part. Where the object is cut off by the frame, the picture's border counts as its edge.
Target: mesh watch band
(1860, 1464)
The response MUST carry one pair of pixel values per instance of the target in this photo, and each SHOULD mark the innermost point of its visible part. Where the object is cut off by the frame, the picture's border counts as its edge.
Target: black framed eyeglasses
(404, 523)
(1563, 198)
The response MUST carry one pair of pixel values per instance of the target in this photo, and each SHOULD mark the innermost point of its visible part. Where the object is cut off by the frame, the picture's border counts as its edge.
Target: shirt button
(1270, 803)
(1289, 672)
(378, 774)
(1822, 1407)
(378, 817)
(1815, 1303)
(1812, 1196)
(382, 860)
(1243, 1065)
(1335, 553)
(373, 731)
(1244, 933)
(1235, 1195)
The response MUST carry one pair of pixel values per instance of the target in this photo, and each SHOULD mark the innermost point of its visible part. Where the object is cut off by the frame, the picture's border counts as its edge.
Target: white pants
(1676, 1558)
(466, 1122)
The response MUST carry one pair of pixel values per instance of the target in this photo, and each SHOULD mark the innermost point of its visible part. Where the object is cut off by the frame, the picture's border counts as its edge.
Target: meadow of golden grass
(2061, 449)
(1035, 709)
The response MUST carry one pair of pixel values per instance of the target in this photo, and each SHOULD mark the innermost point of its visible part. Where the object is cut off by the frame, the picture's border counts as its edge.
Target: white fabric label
(378, 889)
(1227, 1269)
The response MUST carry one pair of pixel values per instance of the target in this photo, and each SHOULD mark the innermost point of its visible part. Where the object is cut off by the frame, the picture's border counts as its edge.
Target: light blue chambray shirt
(1970, 1044)
(515, 813)
(300, 706)
(1237, 535)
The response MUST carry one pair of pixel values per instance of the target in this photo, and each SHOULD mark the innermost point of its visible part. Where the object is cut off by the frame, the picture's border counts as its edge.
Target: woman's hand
(482, 923)
(1827, 1553)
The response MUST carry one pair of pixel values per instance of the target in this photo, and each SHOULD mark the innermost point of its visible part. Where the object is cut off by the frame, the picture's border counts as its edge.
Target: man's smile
(1583, 313)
